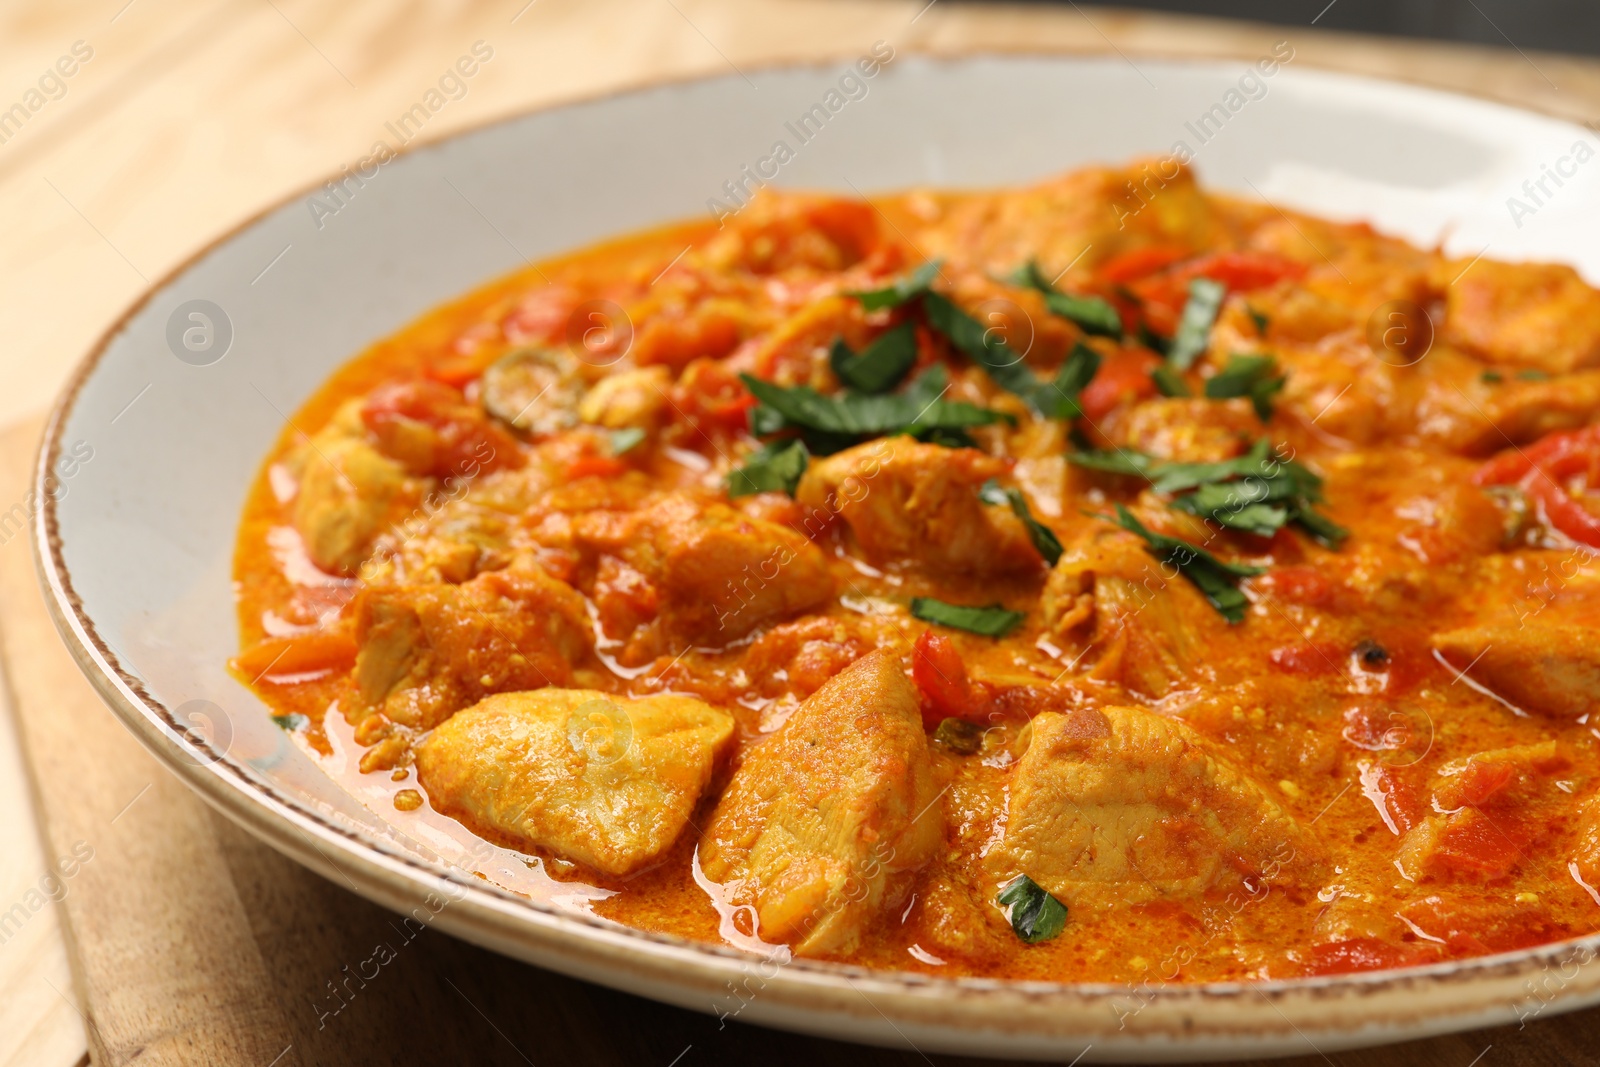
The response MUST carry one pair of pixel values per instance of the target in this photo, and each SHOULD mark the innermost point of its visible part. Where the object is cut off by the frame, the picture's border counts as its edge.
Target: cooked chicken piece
(1538, 315)
(630, 398)
(821, 826)
(432, 648)
(1347, 264)
(784, 232)
(1149, 624)
(607, 781)
(1547, 663)
(1123, 806)
(1474, 779)
(684, 573)
(1078, 221)
(348, 492)
(1189, 430)
(904, 500)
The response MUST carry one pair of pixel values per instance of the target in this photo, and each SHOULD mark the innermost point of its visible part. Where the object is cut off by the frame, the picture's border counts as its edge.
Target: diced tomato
(1123, 378)
(1394, 792)
(938, 671)
(1478, 781)
(1543, 468)
(712, 397)
(1471, 843)
(1363, 954)
(595, 467)
(676, 338)
(541, 317)
(319, 650)
(457, 370)
(431, 429)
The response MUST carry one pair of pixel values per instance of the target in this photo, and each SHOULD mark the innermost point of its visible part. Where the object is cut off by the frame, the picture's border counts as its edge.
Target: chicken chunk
(1123, 806)
(1534, 315)
(1148, 626)
(821, 827)
(1190, 431)
(348, 493)
(1545, 663)
(678, 573)
(908, 501)
(607, 781)
(432, 648)
(1078, 221)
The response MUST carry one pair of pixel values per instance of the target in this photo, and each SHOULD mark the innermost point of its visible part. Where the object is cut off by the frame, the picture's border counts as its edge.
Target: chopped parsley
(291, 722)
(1255, 377)
(902, 291)
(1262, 321)
(1194, 325)
(1092, 314)
(774, 468)
(1044, 538)
(991, 621)
(1034, 914)
(1216, 580)
(831, 423)
(881, 365)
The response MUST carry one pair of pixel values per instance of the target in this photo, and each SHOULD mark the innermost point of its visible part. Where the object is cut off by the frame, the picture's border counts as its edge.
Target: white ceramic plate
(136, 540)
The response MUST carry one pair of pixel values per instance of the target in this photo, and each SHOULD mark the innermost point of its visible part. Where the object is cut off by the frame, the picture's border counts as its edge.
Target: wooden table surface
(182, 940)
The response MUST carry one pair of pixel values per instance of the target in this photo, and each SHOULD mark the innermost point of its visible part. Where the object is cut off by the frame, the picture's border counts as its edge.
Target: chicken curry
(1103, 580)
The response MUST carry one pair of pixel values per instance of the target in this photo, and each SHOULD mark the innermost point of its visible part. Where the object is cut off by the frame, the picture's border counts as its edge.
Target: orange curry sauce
(1404, 711)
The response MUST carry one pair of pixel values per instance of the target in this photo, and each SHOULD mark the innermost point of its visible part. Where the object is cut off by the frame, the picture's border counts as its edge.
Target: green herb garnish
(1256, 377)
(292, 722)
(1035, 915)
(1256, 492)
(625, 439)
(1092, 314)
(991, 621)
(1261, 320)
(831, 423)
(1004, 365)
(1236, 505)
(774, 468)
(1216, 580)
(880, 365)
(1492, 377)
(902, 291)
(1194, 325)
(1533, 376)
(1169, 382)
(1044, 538)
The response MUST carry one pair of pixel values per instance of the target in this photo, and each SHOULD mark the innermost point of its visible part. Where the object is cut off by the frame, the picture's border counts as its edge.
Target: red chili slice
(1541, 470)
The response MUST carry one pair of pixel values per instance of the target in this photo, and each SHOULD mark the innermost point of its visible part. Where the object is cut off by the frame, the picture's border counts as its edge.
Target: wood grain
(190, 942)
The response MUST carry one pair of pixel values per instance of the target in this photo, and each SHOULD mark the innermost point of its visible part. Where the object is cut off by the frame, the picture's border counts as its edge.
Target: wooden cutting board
(190, 942)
